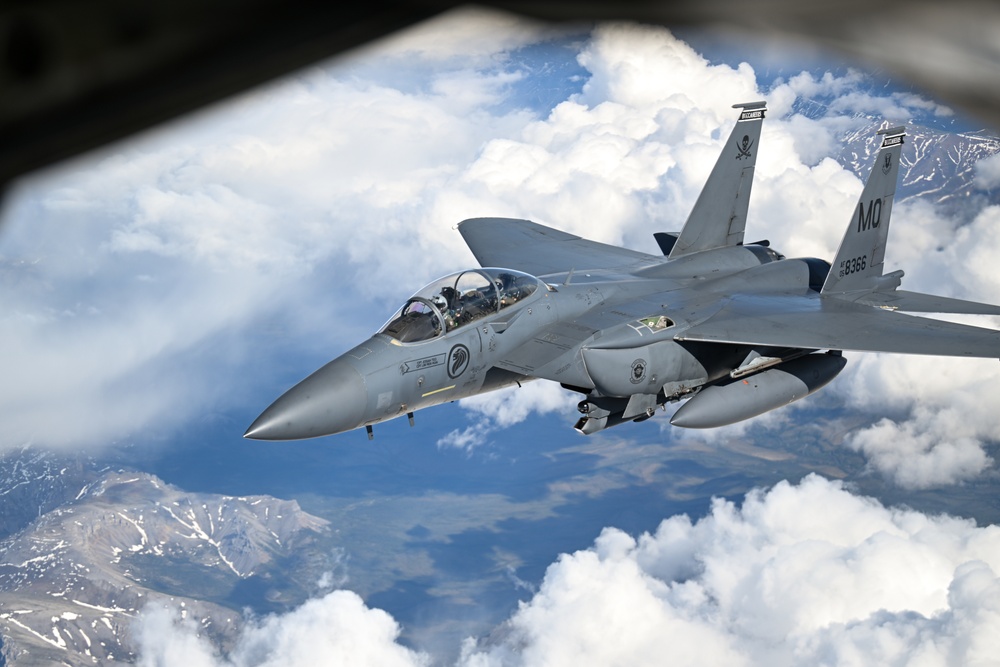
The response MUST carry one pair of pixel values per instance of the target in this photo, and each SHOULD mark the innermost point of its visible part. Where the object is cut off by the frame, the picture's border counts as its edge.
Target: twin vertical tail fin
(859, 262)
(719, 216)
(856, 274)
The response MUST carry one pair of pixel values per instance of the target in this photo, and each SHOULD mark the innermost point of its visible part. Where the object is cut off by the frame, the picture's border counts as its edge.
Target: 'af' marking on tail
(871, 219)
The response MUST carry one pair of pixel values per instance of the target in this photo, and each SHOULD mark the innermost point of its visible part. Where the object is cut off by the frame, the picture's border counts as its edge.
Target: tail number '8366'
(853, 265)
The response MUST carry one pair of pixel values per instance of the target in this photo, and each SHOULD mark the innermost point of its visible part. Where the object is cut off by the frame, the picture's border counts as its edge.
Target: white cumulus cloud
(497, 410)
(121, 273)
(988, 172)
(801, 574)
(336, 629)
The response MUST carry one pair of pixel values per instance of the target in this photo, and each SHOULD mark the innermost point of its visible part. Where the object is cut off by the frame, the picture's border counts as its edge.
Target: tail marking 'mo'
(860, 259)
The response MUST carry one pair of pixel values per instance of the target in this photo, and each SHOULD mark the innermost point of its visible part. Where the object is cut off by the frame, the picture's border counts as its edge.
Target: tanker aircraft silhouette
(734, 329)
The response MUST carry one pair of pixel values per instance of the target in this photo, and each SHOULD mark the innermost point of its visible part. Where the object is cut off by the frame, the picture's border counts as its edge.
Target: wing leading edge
(832, 324)
(717, 220)
(539, 250)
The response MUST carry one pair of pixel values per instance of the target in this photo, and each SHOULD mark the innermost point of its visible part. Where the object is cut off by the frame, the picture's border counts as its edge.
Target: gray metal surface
(539, 250)
(719, 216)
(820, 323)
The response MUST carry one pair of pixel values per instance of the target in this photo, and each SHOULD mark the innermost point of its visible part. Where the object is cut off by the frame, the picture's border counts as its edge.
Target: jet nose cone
(331, 400)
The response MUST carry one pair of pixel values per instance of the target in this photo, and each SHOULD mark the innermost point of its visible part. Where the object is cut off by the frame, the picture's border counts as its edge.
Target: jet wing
(539, 250)
(787, 320)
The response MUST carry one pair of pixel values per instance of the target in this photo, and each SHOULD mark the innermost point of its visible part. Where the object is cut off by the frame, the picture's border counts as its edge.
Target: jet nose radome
(331, 400)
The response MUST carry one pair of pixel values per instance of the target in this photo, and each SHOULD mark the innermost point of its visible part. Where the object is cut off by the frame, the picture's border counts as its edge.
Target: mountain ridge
(74, 580)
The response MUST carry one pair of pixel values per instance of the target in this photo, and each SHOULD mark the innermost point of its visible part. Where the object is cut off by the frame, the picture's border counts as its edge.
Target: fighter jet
(734, 329)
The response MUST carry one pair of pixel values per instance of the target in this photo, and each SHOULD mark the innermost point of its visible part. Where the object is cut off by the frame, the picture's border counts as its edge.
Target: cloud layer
(337, 629)
(798, 575)
(123, 272)
(801, 574)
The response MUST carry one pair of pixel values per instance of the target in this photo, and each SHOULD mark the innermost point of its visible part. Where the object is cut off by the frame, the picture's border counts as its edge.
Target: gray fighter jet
(735, 329)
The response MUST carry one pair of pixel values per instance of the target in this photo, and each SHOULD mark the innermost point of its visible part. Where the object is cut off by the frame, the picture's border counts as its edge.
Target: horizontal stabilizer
(915, 302)
(834, 324)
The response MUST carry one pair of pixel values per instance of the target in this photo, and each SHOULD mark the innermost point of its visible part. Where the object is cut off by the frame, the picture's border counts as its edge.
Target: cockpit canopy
(457, 300)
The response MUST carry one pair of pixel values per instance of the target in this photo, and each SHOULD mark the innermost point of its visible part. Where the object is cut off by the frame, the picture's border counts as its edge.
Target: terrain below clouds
(130, 568)
(75, 578)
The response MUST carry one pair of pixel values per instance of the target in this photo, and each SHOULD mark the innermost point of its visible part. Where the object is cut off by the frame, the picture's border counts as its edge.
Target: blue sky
(160, 293)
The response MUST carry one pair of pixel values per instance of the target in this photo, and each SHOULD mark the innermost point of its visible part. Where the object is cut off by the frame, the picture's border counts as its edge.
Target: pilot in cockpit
(508, 288)
(474, 305)
(451, 297)
(448, 303)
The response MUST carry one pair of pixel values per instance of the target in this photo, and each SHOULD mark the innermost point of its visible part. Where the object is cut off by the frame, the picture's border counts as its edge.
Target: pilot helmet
(440, 302)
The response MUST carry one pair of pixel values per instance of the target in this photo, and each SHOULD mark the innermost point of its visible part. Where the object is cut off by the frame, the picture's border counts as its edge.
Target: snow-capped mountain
(73, 581)
(937, 166)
